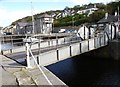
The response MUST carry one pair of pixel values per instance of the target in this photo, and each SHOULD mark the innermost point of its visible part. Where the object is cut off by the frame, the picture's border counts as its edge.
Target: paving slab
(8, 67)
(20, 75)
(39, 78)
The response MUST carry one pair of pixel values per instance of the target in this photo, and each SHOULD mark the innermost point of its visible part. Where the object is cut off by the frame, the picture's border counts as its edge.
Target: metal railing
(28, 61)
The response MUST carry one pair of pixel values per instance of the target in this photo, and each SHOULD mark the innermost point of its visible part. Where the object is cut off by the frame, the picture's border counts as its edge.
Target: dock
(19, 75)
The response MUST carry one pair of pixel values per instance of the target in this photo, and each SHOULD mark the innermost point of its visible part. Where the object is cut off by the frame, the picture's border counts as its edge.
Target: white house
(88, 10)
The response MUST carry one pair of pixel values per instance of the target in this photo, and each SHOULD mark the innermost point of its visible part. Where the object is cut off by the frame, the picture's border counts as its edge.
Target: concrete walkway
(17, 74)
(8, 67)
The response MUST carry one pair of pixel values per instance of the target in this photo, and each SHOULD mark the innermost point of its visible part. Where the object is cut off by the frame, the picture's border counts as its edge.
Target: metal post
(57, 54)
(94, 42)
(70, 51)
(64, 40)
(84, 32)
(104, 39)
(28, 56)
(12, 44)
(56, 41)
(111, 32)
(80, 48)
(115, 32)
(89, 33)
(100, 41)
(88, 45)
(39, 49)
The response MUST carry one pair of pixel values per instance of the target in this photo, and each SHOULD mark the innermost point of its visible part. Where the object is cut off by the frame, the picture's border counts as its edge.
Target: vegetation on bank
(78, 19)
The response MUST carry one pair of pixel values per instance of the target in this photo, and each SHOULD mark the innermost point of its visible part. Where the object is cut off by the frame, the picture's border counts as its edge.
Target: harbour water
(88, 70)
(6, 46)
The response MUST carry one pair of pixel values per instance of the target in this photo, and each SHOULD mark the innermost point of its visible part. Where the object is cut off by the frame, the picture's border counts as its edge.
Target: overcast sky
(11, 10)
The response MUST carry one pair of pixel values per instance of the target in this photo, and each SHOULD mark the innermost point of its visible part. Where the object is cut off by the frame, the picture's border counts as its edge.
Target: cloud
(7, 16)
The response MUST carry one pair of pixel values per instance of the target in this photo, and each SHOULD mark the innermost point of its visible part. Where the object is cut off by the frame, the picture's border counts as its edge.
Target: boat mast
(33, 21)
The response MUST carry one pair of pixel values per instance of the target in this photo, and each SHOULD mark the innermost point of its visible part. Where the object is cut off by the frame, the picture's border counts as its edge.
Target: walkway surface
(8, 67)
(14, 73)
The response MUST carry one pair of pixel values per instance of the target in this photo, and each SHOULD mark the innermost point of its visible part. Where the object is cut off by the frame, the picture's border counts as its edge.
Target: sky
(11, 10)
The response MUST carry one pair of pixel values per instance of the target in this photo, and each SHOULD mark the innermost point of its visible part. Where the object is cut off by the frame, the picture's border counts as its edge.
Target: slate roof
(91, 6)
(21, 24)
(45, 16)
(110, 18)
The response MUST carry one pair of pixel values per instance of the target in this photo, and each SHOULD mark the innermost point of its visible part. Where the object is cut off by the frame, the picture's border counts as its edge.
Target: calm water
(6, 46)
(88, 71)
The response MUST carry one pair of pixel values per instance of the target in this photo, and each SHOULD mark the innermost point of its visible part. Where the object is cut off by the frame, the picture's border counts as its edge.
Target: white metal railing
(29, 66)
(48, 43)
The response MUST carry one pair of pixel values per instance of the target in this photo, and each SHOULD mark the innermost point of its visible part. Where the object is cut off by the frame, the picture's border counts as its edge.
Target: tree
(112, 7)
(96, 16)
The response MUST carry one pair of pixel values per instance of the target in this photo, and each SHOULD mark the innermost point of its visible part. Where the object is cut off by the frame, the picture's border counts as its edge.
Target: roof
(110, 18)
(21, 24)
(91, 6)
(45, 16)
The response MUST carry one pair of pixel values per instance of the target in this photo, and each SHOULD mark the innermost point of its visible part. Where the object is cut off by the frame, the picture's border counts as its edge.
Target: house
(8, 29)
(89, 10)
(23, 28)
(1, 31)
(44, 24)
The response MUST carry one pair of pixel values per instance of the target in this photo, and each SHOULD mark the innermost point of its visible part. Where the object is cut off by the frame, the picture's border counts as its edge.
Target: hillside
(90, 13)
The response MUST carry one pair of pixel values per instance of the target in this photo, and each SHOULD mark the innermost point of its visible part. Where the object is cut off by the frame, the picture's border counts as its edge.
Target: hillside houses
(89, 10)
(46, 25)
(69, 12)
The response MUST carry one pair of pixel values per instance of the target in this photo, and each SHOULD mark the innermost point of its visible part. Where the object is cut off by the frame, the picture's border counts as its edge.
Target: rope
(40, 68)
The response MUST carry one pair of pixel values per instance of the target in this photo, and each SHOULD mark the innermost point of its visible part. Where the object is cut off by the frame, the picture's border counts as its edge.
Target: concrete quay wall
(44, 44)
(59, 54)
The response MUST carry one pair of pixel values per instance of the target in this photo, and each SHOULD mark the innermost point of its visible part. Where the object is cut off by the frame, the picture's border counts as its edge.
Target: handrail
(39, 67)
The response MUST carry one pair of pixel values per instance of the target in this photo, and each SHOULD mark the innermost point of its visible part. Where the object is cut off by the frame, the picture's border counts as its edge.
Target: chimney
(115, 13)
(106, 15)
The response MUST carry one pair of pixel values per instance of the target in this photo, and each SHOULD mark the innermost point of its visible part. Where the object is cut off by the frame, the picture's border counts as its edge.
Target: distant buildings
(89, 10)
(23, 28)
(69, 12)
(42, 24)
(1, 32)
